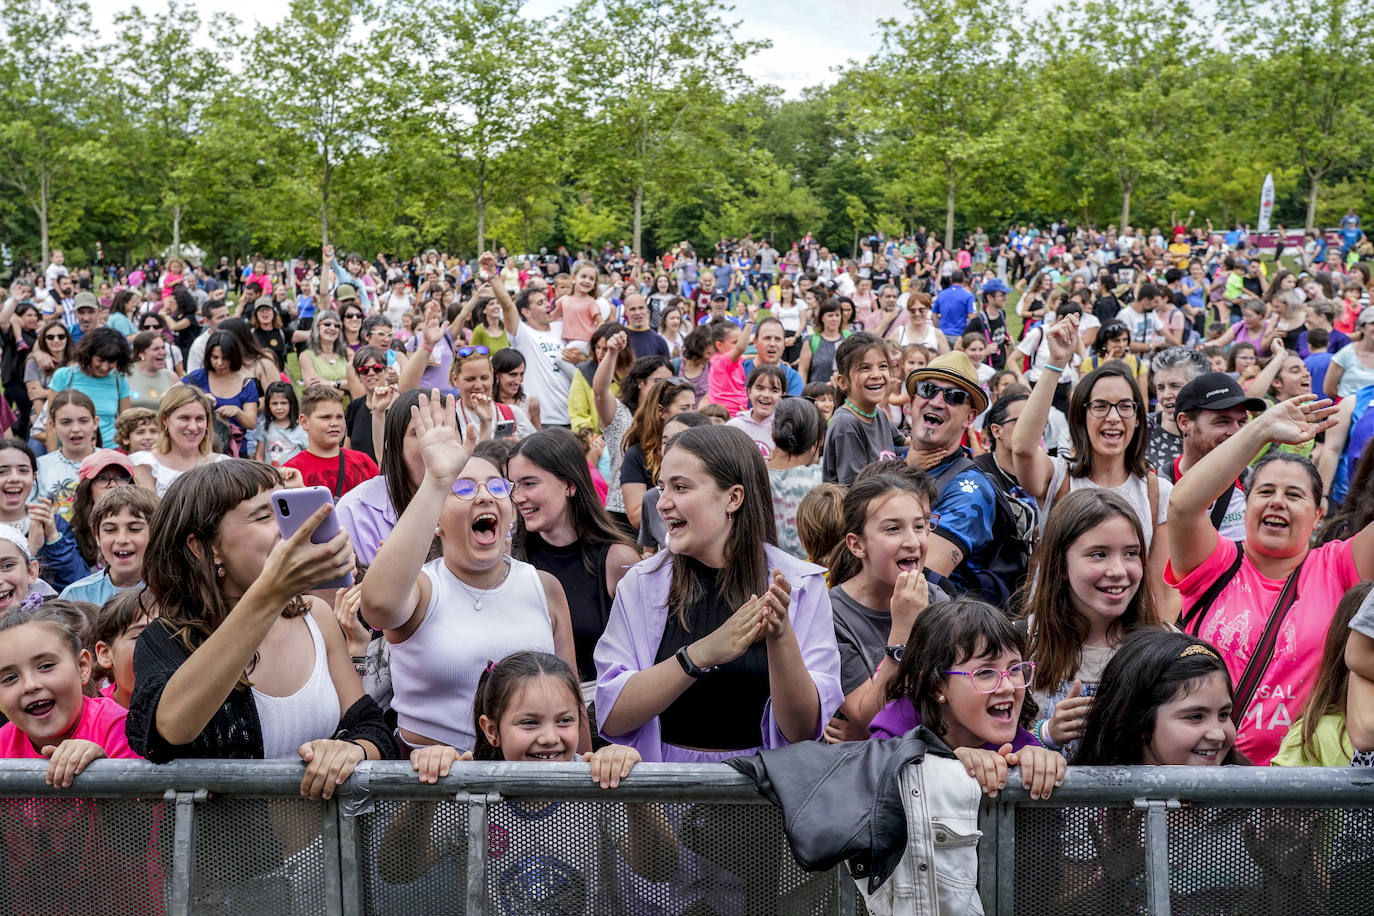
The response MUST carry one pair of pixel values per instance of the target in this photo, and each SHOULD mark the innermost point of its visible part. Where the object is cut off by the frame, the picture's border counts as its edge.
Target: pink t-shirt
(725, 383)
(102, 722)
(1236, 621)
(580, 318)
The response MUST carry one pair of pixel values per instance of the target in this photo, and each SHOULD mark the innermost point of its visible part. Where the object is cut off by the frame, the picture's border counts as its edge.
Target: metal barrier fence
(227, 837)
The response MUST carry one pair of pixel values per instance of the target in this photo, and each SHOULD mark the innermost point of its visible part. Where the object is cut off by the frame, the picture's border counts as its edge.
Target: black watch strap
(894, 652)
(690, 667)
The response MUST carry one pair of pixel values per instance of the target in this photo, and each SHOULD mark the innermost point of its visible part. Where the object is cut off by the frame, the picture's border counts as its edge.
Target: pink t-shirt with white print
(1236, 621)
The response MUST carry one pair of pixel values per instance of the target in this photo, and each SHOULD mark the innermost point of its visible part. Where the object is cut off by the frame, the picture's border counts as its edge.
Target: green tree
(1314, 60)
(318, 85)
(654, 80)
(474, 91)
(1120, 80)
(166, 66)
(47, 135)
(932, 101)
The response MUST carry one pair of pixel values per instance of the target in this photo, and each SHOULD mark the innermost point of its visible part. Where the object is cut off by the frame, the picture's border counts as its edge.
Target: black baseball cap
(720, 294)
(1215, 391)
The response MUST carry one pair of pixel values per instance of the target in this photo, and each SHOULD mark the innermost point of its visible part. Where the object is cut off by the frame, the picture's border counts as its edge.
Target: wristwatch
(689, 666)
(894, 652)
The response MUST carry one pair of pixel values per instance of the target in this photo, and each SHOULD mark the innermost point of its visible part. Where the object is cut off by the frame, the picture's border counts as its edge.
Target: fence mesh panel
(1078, 860)
(77, 856)
(261, 856)
(413, 857)
(646, 859)
(1270, 861)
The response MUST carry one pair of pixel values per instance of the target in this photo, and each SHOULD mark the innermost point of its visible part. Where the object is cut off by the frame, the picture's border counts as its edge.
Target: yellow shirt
(1331, 745)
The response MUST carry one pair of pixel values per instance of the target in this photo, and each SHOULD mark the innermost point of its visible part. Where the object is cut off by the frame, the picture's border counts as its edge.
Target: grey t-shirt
(852, 444)
(861, 633)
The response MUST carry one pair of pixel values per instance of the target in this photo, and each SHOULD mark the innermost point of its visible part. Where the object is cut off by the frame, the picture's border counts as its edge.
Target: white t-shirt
(1144, 328)
(1036, 346)
(396, 309)
(547, 377)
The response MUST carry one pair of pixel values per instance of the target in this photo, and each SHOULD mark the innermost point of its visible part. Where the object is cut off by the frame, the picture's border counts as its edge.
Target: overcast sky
(810, 37)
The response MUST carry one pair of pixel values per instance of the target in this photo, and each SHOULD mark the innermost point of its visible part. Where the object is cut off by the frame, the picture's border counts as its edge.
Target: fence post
(182, 891)
(847, 898)
(1157, 853)
(989, 821)
(1006, 857)
(478, 820)
(350, 878)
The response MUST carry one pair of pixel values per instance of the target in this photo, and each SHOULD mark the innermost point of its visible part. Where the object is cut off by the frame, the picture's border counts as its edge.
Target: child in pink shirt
(581, 311)
(725, 379)
(43, 671)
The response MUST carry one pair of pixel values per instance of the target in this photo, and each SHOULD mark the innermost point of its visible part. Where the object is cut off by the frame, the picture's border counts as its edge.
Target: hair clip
(1198, 649)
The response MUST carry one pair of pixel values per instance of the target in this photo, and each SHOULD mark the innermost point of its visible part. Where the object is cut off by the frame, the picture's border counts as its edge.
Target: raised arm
(1334, 444)
(198, 688)
(742, 342)
(393, 591)
(605, 374)
(1191, 535)
(1033, 466)
(1258, 386)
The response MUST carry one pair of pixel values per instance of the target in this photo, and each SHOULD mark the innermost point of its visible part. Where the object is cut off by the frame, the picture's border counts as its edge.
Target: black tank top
(589, 604)
(724, 709)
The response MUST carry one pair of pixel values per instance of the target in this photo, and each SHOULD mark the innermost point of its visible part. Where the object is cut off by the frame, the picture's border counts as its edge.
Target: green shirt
(481, 337)
(1331, 745)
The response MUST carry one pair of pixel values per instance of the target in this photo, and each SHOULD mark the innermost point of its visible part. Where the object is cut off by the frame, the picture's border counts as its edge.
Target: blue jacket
(60, 563)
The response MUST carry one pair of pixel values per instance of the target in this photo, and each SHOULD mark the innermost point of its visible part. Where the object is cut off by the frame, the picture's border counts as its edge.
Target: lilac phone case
(293, 506)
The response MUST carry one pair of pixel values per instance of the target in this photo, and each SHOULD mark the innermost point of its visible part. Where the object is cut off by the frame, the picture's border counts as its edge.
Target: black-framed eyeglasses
(954, 397)
(465, 352)
(1124, 408)
(54, 336)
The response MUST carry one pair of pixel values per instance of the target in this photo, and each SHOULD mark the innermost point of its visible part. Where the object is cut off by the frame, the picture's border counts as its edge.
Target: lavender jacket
(635, 630)
(365, 512)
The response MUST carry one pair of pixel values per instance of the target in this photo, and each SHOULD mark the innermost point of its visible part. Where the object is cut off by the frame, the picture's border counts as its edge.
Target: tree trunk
(949, 214)
(1126, 188)
(324, 206)
(176, 230)
(44, 238)
(639, 214)
(1313, 187)
(480, 205)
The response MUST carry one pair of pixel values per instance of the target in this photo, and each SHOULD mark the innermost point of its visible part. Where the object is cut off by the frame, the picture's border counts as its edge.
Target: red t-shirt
(324, 472)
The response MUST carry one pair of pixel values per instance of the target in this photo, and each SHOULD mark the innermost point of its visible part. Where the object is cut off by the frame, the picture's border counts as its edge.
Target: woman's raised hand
(1298, 419)
(1062, 338)
(436, 428)
(615, 343)
(774, 604)
(486, 265)
(295, 565)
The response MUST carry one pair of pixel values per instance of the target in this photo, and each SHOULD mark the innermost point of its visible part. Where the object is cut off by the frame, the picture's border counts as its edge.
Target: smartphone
(292, 507)
(504, 429)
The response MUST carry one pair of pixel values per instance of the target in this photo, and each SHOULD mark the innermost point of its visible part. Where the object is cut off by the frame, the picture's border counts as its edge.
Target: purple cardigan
(635, 630)
(899, 717)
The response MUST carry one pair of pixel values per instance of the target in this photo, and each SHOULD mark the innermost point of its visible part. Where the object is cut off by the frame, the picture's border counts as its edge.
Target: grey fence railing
(222, 837)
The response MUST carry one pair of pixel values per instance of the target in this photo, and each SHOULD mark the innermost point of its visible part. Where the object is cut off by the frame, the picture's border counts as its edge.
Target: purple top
(436, 376)
(635, 629)
(899, 717)
(365, 513)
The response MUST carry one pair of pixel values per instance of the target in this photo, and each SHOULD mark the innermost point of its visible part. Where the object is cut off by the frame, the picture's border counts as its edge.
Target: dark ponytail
(797, 426)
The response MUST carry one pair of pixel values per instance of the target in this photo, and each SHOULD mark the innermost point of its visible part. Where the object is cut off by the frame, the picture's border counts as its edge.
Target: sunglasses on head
(372, 369)
(954, 397)
(465, 488)
(465, 352)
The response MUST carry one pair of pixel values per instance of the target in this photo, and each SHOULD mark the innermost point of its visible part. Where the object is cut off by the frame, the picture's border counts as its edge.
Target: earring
(859, 554)
(437, 532)
(940, 698)
(219, 570)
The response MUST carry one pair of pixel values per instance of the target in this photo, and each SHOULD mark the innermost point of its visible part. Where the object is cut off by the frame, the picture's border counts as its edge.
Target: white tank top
(434, 673)
(310, 713)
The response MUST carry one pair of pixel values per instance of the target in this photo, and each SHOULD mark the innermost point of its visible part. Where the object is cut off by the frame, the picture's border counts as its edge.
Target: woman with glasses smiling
(52, 351)
(324, 361)
(447, 619)
(1107, 426)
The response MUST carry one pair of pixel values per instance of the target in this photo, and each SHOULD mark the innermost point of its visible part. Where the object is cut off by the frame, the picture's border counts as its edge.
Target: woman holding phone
(241, 662)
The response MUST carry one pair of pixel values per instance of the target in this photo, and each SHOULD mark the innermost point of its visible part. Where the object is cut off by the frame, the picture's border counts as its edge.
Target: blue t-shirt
(723, 275)
(95, 588)
(1317, 364)
(953, 307)
(794, 379)
(105, 391)
(967, 508)
(247, 395)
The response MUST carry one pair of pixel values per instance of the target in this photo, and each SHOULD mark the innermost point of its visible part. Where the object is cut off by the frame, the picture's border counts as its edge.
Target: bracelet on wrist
(1048, 368)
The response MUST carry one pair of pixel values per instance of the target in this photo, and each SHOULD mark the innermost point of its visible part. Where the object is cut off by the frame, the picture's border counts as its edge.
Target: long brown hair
(646, 430)
(1332, 677)
(731, 459)
(1057, 629)
(183, 584)
(1081, 464)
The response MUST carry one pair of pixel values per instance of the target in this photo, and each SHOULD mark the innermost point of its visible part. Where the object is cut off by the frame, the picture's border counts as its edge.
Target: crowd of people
(683, 509)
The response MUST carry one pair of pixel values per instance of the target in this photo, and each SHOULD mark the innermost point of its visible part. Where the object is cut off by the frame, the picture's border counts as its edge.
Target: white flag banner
(1267, 206)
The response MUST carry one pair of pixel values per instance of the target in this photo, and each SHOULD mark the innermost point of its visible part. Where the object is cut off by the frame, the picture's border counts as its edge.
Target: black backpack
(1004, 562)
